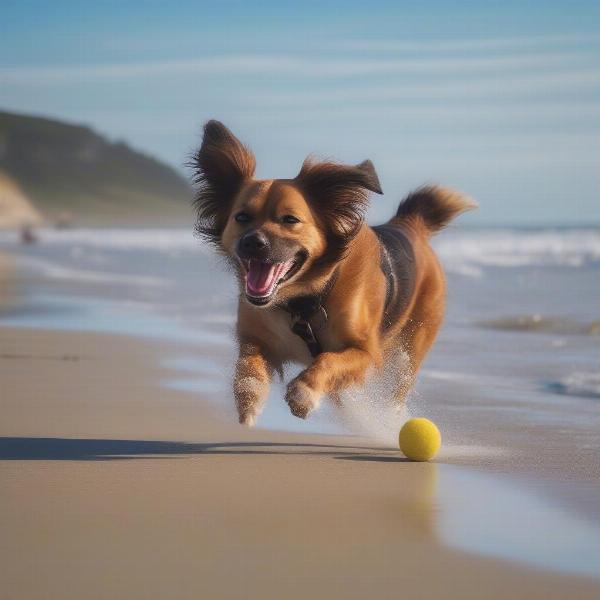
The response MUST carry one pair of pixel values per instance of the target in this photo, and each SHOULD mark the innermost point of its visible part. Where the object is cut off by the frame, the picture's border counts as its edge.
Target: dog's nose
(254, 242)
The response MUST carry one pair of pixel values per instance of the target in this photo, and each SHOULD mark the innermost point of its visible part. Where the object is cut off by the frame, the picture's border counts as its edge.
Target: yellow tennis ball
(420, 439)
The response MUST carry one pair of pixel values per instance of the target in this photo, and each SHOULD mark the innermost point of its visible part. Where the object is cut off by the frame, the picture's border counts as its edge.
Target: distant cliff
(63, 168)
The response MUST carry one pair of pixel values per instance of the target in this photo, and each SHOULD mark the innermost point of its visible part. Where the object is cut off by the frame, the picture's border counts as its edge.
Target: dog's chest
(283, 342)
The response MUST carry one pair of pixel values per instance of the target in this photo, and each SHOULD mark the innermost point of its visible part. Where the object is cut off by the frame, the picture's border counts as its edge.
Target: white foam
(469, 252)
(52, 270)
(581, 384)
(161, 240)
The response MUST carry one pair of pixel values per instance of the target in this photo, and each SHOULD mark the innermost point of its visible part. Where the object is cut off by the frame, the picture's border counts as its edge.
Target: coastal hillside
(62, 168)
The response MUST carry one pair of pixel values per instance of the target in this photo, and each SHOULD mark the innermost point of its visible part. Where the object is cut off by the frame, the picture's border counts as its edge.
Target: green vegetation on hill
(63, 167)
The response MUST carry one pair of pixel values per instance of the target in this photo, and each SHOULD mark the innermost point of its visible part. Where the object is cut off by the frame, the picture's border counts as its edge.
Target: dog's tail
(433, 207)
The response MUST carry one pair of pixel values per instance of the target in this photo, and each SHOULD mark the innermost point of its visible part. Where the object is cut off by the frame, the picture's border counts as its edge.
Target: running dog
(318, 285)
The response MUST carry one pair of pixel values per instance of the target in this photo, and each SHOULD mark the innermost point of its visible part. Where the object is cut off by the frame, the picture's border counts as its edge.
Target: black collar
(309, 315)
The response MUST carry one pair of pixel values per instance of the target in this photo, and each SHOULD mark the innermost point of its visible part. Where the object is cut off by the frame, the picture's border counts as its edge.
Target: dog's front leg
(252, 379)
(331, 372)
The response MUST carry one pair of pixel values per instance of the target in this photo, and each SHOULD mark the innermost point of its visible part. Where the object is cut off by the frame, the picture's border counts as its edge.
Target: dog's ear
(220, 166)
(340, 195)
(368, 175)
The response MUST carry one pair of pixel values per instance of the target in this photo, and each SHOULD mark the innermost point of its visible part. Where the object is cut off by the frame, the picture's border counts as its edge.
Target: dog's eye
(243, 217)
(289, 219)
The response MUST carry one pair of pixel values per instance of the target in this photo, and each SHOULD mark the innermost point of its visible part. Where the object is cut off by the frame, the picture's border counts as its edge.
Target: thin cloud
(506, 86)
(306, 66)
(496, 113)
(462, 45)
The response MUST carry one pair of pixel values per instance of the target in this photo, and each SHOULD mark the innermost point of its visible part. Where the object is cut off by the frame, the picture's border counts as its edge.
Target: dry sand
(140, 492)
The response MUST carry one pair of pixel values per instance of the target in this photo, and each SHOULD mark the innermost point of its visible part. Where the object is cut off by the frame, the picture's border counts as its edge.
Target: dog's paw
(301, 398)
(250, 394)
(248, 419)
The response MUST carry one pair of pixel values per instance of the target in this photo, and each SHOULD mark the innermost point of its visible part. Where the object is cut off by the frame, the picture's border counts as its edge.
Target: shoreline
(7, 280)
(137, 488)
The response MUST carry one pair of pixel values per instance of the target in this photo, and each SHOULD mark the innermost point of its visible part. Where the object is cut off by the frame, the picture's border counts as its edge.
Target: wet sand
(6, 281)
(137, 491)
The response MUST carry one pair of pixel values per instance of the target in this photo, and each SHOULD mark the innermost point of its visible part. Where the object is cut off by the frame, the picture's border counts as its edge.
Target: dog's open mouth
(263, 277)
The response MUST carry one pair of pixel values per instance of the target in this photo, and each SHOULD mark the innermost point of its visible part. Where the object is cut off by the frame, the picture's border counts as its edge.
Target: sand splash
(377, 409)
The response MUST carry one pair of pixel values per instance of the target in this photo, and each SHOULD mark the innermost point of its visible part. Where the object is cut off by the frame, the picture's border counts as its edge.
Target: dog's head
(278, 231)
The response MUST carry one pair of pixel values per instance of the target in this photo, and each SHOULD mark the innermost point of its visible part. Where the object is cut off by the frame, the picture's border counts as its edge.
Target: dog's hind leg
(413, 344)
(253, 376)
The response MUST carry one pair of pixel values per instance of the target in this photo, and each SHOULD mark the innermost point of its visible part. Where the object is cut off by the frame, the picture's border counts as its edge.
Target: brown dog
(317, 284)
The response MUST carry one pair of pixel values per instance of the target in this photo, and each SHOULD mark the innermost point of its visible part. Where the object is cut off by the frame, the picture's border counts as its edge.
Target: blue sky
(499, 99)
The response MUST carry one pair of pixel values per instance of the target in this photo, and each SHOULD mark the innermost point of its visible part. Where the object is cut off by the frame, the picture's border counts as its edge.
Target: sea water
(522, 328)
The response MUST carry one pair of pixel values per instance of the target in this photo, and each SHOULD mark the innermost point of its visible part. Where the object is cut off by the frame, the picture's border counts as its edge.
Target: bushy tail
(433, 206)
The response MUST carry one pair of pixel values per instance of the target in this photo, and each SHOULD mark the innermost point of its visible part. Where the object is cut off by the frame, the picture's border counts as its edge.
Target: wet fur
(330, 199)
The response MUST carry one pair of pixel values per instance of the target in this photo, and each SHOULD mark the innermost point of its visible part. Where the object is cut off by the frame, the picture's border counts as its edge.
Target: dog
(318, 286)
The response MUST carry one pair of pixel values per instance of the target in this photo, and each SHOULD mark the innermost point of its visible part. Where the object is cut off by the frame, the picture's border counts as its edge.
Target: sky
(498, 99)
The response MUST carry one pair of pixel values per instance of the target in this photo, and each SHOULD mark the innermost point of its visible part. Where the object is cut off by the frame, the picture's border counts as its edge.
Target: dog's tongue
(262, 276)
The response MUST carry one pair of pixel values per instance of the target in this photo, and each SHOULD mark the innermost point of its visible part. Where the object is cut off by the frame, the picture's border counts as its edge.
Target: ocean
(520, 342)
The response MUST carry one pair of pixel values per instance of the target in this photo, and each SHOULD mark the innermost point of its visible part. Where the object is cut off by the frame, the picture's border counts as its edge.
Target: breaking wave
(161, 240)
(578, 384)
(469, 252)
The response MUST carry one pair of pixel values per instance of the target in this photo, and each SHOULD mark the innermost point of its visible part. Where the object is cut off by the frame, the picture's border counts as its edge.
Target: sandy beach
(6, 280)
(114, 487)
(124, 473)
